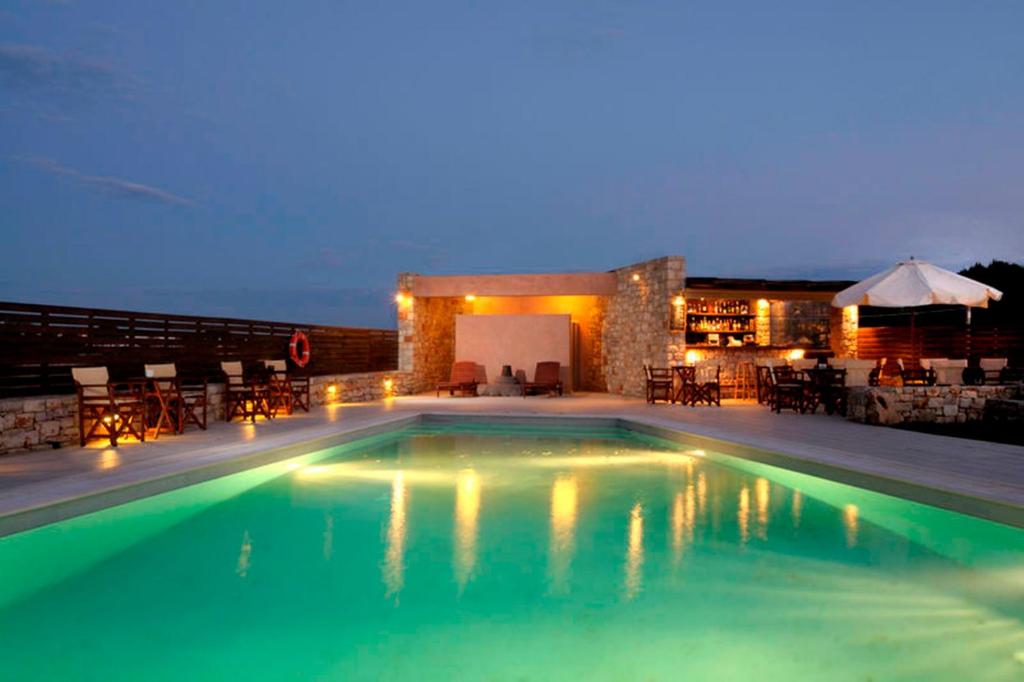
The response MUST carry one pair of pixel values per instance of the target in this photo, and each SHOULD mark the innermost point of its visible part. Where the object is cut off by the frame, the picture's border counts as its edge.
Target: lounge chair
(547, 378)
(111, 409)
(242, 396)
(461, 380)
(858, 372)
(992, 367)
(659, 383)
(181, 401)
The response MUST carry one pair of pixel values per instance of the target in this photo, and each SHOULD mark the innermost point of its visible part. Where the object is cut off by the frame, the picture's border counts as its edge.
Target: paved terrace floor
(990, 472)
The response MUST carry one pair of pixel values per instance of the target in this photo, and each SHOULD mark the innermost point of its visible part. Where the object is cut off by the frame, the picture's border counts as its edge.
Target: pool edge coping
(52, 511)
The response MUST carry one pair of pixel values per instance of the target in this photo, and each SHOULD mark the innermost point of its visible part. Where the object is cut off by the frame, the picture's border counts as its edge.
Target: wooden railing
(39, 344)
(941, 342)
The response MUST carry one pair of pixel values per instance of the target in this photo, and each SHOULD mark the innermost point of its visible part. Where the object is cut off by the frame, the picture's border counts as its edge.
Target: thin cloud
(40, 71)
(115, 187)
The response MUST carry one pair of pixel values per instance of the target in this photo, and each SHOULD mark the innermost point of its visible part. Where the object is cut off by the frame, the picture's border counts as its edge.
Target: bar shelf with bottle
(720, 322)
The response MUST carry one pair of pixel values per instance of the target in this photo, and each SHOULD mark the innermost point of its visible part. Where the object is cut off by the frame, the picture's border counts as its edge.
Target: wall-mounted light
(389, 386)
(692, 357)
(403, 299)
(762, 303)
(470, 298)
(332, 391)
(677, 301)
(796, 354)
(636, 276)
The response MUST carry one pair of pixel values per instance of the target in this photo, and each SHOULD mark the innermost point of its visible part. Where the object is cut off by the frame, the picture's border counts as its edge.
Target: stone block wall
(52, 421)
(636, 323)
(915, 404)
(426, 335)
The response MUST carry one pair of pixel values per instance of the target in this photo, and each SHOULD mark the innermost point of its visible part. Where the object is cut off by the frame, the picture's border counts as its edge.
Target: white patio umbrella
(914, 283)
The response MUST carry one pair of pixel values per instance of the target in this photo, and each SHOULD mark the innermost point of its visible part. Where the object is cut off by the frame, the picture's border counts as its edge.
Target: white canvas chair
(180, 401)
(947, 372)
(108, 409)
(992, 368)
(858, 372)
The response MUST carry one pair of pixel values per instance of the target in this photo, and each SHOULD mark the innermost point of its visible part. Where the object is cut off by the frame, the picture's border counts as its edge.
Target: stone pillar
(636, 328)
(843, 325)
(406, 321)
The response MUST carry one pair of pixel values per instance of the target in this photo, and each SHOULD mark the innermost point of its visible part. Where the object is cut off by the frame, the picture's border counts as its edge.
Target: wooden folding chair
(163, 398)
(707, 388)
(110, 409)
(243, 397)
(188, 398)
(659, 384)
(295, 387)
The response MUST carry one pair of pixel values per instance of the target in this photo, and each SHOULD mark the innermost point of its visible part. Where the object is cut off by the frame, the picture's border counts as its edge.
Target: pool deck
(986, 479)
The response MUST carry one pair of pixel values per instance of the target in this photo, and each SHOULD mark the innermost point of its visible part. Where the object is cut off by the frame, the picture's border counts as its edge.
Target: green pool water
(487, 553)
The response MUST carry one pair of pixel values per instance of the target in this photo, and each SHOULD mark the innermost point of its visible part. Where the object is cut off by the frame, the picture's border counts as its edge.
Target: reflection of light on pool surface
(635, 551)
(394, 556)
(598, 559)
(564, 501)
(467, 510)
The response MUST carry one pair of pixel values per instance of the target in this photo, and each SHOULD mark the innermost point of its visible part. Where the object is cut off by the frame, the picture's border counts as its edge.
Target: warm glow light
(470, 298)
(850, 521)
(467, 511)
(762, 303)
(389, 385)
(564, 505)
(762, 492)
(636, 277)
(678, 524)
(108, 459)
(394, 555)
(635, 551)
(678, 300)
(403, 299)
(743, 515)
(796, 354)
(692, 356)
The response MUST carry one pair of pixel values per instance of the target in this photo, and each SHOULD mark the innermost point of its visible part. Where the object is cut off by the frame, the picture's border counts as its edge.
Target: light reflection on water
(564, 503)
(467, 511)
(635, 552)
(394, 556)
(766, 580)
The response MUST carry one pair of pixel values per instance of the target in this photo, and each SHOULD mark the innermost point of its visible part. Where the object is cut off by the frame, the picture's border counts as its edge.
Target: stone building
(604, 326)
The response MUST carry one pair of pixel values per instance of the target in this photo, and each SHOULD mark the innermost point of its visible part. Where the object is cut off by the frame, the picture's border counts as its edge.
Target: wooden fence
(941, 342)
(39, 344)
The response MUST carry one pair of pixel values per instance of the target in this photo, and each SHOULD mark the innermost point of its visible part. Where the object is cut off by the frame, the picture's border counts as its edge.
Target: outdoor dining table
(825, 386)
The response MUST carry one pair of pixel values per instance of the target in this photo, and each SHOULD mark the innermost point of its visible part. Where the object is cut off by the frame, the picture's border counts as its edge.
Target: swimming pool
(514, 553)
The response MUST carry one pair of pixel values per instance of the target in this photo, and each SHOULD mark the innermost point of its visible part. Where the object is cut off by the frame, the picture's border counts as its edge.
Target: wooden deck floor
(987, 472)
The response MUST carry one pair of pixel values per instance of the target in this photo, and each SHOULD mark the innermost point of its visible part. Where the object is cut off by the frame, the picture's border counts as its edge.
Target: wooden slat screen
(39, 344)
(941, 342)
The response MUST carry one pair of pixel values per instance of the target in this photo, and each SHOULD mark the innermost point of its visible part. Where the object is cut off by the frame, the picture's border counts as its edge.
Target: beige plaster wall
(518, 340)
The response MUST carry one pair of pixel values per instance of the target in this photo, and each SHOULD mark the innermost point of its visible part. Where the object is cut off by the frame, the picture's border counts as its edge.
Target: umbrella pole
(967, 344)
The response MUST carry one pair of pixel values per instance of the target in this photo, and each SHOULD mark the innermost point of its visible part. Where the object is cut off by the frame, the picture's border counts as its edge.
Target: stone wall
(844, 323)
(636, 323)
(426, 334)
(938, 404)
(52, 421)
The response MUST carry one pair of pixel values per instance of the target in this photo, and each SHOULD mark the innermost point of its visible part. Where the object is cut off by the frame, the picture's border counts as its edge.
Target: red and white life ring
(298, 348)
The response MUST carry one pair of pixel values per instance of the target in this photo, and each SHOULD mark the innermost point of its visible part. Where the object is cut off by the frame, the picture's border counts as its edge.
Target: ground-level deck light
(332, 391)
(389, 387)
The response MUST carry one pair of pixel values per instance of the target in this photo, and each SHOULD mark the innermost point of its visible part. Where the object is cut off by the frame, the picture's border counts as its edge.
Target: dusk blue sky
(283, 160)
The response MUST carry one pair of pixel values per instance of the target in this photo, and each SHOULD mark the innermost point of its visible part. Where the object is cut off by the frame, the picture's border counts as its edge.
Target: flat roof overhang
(555, 284)
(779, 289)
